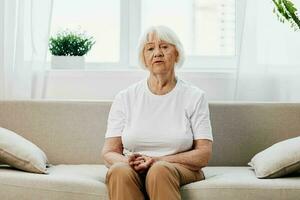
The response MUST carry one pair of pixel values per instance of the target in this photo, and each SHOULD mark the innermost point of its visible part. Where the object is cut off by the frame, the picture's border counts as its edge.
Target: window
(207, 28)
(99, 18)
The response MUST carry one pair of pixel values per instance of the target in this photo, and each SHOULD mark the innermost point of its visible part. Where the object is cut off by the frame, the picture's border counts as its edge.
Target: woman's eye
(150, 49)
(164, 46)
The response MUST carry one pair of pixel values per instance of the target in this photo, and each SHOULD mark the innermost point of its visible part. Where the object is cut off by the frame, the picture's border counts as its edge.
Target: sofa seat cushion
(230, 183)
(82, 182)
(86, 182)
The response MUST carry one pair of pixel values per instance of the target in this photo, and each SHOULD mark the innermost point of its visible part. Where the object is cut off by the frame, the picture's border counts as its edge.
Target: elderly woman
(158, 132)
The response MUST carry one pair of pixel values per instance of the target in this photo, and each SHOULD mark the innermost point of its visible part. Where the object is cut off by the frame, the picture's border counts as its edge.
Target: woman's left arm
(193, 159)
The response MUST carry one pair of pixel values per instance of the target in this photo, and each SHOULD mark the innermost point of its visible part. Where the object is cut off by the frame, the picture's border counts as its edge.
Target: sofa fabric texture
(71, 133)
(87, 182)
(62, 182)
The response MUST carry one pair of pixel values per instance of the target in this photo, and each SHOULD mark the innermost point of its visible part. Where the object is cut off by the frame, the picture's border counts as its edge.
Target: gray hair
(166, 34)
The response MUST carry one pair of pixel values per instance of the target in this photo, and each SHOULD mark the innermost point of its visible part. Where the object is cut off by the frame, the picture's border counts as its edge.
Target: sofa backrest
(243, 129)
(72, 132)
(69, 132)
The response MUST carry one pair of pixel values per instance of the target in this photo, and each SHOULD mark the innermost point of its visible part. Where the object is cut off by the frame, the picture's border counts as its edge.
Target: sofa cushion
(235, 183)
(86, 182)
(20, 153)
(278, 160)
(68, 182)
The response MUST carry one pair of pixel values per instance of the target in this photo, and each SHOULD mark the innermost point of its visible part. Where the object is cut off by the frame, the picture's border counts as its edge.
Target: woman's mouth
(158, 62)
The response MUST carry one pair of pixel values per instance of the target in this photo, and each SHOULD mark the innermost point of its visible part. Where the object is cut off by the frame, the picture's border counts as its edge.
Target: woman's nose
(158, 52)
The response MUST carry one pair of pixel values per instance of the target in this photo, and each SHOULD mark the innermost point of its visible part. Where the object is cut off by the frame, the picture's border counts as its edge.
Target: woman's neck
(161, 85)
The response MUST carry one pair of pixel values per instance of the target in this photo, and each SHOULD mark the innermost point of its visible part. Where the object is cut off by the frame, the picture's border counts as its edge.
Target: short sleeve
(116, 118)
(200, 121)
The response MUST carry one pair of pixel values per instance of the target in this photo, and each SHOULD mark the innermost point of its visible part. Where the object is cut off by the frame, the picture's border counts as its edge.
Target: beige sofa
(71, 133)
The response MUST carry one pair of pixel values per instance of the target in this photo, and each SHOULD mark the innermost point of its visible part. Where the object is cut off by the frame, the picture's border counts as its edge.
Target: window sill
(140, 70)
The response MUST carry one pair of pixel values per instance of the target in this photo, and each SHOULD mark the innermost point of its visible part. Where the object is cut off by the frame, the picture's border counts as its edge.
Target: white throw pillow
(20, 153)
(278, 160)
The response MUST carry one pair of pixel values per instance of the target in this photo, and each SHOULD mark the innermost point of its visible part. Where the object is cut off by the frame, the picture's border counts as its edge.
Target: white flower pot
(67, 62)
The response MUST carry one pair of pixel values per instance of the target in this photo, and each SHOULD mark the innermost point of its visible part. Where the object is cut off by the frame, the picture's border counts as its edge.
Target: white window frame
(130, 25)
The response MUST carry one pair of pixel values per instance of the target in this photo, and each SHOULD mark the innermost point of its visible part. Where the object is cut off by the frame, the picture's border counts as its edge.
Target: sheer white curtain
(24, 31)
(269, 68)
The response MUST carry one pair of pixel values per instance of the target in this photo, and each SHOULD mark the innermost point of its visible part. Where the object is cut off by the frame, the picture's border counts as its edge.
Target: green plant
(286, 11)
(70, 43)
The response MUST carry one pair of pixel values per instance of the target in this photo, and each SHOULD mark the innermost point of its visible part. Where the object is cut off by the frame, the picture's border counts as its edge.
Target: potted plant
(68, 49)
(286, 11)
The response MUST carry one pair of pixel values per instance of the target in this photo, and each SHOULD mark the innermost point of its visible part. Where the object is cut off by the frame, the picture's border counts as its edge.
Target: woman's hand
(140, 163)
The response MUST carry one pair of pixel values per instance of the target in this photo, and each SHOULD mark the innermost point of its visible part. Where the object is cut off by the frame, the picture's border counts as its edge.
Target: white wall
(104, 85)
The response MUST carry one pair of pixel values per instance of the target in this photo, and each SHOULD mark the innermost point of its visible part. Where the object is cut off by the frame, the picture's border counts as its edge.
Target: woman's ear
(177, 56)
(144, 61)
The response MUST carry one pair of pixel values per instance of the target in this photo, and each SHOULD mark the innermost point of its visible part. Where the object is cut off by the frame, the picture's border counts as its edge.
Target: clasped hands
(140, 163)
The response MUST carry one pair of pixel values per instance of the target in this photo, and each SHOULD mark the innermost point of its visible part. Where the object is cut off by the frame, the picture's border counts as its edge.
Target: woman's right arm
(112, 151)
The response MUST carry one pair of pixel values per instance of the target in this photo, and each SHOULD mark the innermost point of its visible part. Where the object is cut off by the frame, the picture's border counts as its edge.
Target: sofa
(71, 133)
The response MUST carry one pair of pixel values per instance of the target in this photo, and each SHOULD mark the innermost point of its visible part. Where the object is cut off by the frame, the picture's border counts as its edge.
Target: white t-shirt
(159, 125)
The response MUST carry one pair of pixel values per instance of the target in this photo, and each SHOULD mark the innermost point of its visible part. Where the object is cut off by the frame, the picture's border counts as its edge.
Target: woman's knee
(161, 169)
(119, 170)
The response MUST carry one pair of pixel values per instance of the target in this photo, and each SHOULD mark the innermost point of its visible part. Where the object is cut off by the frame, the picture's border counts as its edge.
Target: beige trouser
(162, 181)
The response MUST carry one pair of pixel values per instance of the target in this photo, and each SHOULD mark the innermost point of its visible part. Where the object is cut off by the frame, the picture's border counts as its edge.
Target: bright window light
(99, 18)
(206, 27)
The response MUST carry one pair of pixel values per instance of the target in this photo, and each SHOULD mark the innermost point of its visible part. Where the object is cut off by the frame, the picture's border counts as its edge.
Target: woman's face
(160, 56)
